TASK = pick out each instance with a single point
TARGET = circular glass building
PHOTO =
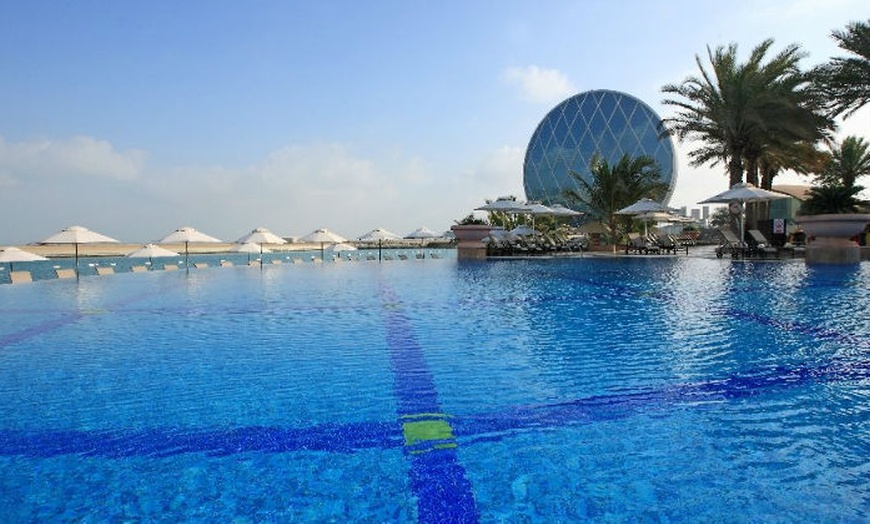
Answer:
(605, 122)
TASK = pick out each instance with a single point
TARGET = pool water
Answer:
(552, 390)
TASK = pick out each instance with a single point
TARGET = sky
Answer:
(136, 118)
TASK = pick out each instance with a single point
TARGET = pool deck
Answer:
(705, 251)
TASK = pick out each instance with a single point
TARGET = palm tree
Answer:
(801, 157)
(741, 113)
(846, 163)
(831, 199)
(612, 188)
(846, 81)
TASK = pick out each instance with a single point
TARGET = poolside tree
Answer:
(801, 157)
(745, 114)
(847, 161)
(831, 198)
(845, 81)
(611, 188)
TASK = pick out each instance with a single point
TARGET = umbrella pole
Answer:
(186, 257)
(379, 249)
(261, 256)
(321, 252)
(76, 244)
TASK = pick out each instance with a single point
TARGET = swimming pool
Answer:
(610, 390)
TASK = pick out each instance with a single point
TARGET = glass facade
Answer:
(605, 122)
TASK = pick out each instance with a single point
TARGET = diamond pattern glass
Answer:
(606, 122)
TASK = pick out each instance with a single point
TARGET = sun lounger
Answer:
(19, 277)
(638, 243)
(65, 273)
(760, 245)
(138, 269)
(731, 245)
(226, 263)
(105, 270)
(635, 244)
(668, 244)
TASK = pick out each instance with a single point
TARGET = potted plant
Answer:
(830, 218)
(470, 232)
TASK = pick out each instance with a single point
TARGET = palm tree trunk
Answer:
(752, 171)
(735, 169)
(767, 175)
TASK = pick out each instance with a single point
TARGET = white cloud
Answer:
(502, 169)
(71, 157)
(539, 85)
(301, 187)
(292, 191)
(498, 172)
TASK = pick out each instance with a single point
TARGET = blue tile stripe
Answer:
(165, 442)
(438, 480)
(39, 329)
(433, 460)
(72, 317)
(816, 332)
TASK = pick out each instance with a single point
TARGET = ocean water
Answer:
(552, 390)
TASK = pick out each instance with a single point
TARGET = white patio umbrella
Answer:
(537, 209)
(250, 248)
(558, 210)
(152, 251)
(341, 246)
(642, 207)
(77, 235)
(380, 235)
(261, 236)
(740, 194)
(187, 235)
(505, 204)
(422, 233)
(658, 216)
(324, 236)
(14, 254)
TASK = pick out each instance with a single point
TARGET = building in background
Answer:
(606, 122)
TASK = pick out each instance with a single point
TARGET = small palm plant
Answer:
(832, 199)
(613, 187)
